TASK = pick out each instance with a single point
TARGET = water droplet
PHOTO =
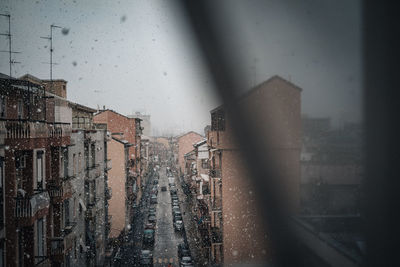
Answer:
(65, 31)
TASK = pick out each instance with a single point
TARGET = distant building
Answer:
(145, 123)
(125, 178)
(185, 144)
(197, 180)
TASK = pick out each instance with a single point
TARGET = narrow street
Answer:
(166, 240)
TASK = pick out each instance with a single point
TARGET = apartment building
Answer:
(236, 232)
(53, 177)
(35, 128)
(185, 144)
(125, 178)
(87, 162)
(198, 181)
(145, 122)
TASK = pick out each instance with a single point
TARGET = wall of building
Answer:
(185, 145)
(77, 203)
(117, 181)
(244, 237)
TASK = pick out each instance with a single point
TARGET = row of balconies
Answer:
(28, 129)
(58, 192)
(62, 243)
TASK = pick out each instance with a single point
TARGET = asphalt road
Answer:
(166, 240)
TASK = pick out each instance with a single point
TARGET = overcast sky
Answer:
(140, 55)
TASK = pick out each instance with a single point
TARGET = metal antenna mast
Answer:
(10, 52)
(52, 26)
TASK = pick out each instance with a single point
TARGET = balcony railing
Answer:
(28, 129)
(216, 203)
(55, 191)
(23, 207)
(26, 207)
(57, 247)
(215, 173)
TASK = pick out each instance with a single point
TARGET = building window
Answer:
(65, 162)
(218, 121)
(2, 107)
(20, 109)
(74, 207)
(79, 162)
(40, 239)
(20, 162)
(204, 163)
(40, 170)
(93, 154)
(66, 212)
(74, 163)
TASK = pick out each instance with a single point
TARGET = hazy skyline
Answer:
(140, 55)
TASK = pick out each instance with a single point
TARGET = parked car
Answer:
(178, 225)
(152, 213)
(150, 226)
(163, 188)
(151, 219)
(177, 217)
(175, 202)
(155, 182)
(175, 209)
(177, 212)
(146, 258)
(148, 236)
(153, 199)
(186, 261)
(183, 250)
(152, 208)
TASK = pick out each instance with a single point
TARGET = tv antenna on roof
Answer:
(52, 26)
(10, 51)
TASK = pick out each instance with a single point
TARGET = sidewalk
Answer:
(191, 233)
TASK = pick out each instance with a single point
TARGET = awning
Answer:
(205, 177)
(82, 204)
(40, 201)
